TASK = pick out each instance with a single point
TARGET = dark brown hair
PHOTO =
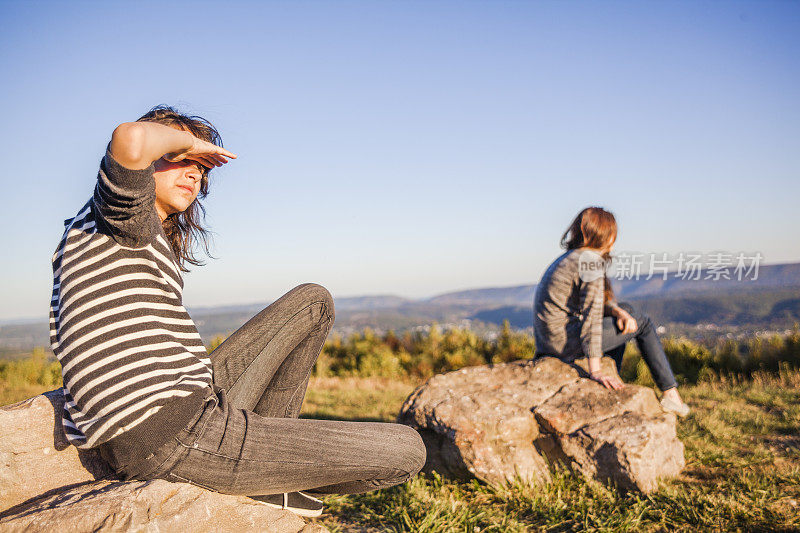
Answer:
(184, 229)
(594, 227)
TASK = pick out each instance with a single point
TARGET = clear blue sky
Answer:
(412, 147)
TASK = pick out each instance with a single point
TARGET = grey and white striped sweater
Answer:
(126, 344)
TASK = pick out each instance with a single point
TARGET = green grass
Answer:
(742, 449)
(363, 399)
(22, 378)
(743, 471)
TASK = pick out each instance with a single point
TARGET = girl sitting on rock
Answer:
(139, 384)
(576, 314)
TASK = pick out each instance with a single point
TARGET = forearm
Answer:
(136, 145)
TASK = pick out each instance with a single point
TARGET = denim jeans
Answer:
(646, 339)
(248, 438)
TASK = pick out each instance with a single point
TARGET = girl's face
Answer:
(177, 185)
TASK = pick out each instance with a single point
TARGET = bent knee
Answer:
(639, 316)
(313, 292)
(627, 307)
(411, 453)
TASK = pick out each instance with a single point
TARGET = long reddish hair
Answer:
(594, 227)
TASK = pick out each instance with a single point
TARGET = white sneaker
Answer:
(671, 406)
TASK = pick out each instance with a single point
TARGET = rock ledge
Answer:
(497, 421)
(47, 484)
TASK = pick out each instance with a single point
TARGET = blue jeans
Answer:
(646, 339)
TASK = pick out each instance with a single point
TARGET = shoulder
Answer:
(566, 262)
(581, 266)
(590, 265)
(559, 276)
(80, 234)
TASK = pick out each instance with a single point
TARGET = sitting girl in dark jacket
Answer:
(576, 314)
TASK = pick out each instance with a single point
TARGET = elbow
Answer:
(127, 144)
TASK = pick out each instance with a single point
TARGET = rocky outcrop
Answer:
(35, 456)
(46, 484)
(155, 505)
(498, 421)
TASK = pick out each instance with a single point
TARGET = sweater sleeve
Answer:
(608, 309)
(591, 311)
(124, 201)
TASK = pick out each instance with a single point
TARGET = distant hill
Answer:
(364, 303)
(772, 300)
(769, 277)
(756, 308)
(496, 296)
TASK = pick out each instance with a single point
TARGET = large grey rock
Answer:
(35, 456)
(46, 484)
(472, 421)
(155, 505)
(632, 450)
(495, 422)
(585, 402)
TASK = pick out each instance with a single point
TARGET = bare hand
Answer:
(207, 154)
(625, 322)
(608, 382)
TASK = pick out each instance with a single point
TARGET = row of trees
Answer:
(420, 355)
(423, 354)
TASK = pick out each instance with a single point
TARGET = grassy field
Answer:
(743, 471)
(742, 449)
(23, 377)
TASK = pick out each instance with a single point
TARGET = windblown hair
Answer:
(185, 229)
(594, 227)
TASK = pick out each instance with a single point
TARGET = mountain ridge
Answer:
(772, 299)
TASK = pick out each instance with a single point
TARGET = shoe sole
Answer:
(309, 513)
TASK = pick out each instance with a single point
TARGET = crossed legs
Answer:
(252, 442)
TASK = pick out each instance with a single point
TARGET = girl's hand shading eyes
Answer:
(165, 164)
(207, 154)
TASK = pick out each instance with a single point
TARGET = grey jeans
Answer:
(248, 438)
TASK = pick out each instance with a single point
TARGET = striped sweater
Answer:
(127, 347)
(568, 311)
